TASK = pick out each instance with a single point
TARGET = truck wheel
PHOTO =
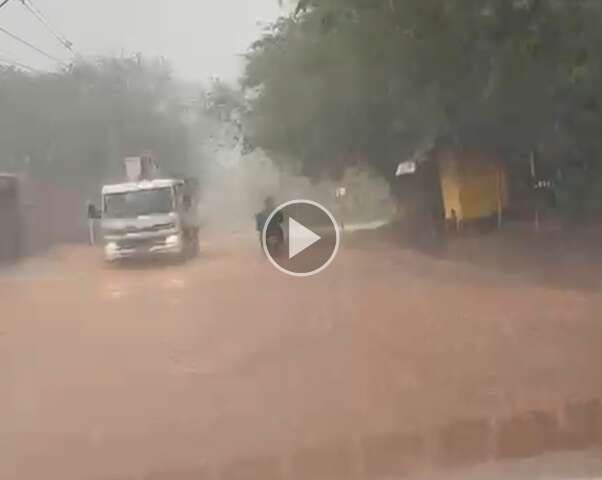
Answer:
(191, 246)
(195, 248)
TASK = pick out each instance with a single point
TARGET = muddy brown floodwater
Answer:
(109, 371)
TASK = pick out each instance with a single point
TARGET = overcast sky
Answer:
(201, 38)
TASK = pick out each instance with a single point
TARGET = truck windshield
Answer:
(135, 204)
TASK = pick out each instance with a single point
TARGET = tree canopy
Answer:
(376, 79)
(78, 124)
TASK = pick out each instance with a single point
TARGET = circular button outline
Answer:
(334, 253)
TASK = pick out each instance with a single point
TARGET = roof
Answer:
(142, 185)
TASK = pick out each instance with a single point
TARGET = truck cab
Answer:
(149, 218)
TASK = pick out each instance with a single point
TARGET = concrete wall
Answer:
(51, 214)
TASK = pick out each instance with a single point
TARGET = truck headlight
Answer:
(173, 241)
(111, 251)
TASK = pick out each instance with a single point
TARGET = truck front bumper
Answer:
(168, 246)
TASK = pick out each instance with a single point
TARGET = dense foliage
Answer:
(77, 125)
(376, 79)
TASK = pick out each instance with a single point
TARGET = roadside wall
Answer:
(51, 214)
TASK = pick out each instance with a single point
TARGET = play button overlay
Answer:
(311, 238)
(300, 238)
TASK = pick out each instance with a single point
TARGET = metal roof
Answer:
(138, 186)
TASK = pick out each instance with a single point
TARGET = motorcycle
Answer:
(274, 240)
(274, 235)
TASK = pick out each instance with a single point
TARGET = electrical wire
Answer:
(4, 3)
(33, 47)
(42, 18)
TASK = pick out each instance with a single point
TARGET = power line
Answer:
(4, 3)
(33, 47)
(42, 18)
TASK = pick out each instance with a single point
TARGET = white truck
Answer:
(156, 217)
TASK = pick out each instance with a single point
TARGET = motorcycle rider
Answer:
(274, 228)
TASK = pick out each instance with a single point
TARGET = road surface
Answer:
(115, 371)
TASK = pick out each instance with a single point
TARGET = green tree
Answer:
(381, 77)
(77, 125)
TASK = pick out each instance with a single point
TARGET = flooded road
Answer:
(123, 370)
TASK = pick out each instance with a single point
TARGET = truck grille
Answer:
(140, 243)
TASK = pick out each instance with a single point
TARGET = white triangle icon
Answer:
(299, 238)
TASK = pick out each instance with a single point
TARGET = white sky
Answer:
(201, 38)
